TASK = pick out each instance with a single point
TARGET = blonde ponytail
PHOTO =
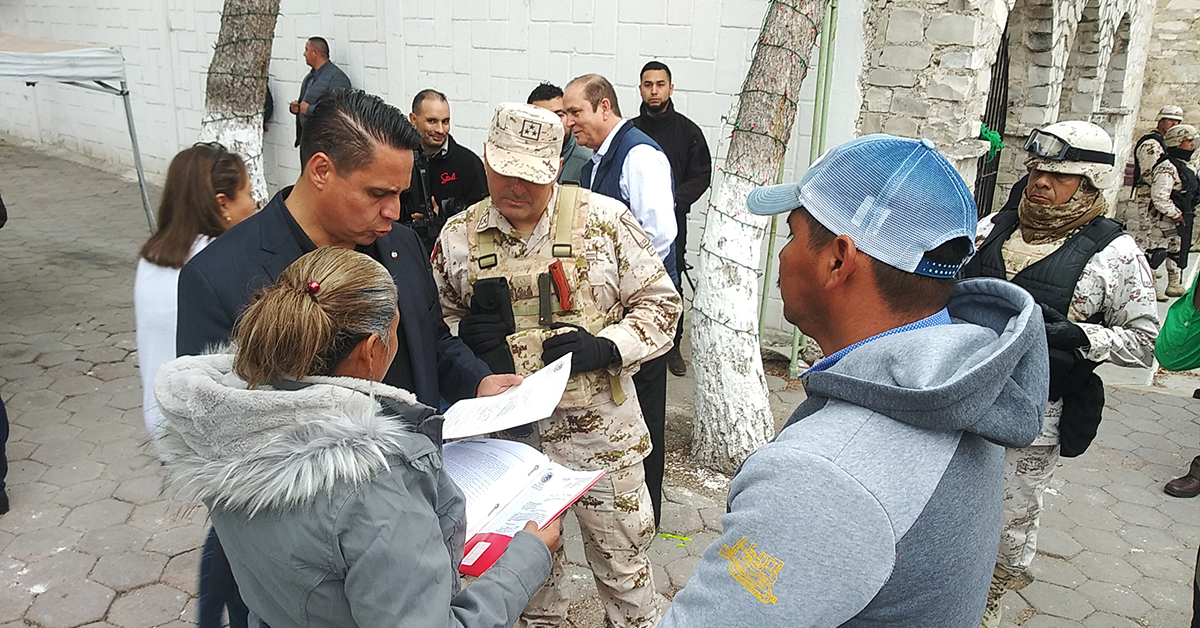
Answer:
(317, 311)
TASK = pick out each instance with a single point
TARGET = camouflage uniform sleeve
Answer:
(1160, 191)
(450, 271)
(1118, 283)
(1147, 155)
(984, 229)
(652, 306)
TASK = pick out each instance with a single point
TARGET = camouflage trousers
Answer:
(1027, 473)
(1160, 233)
(617, 521)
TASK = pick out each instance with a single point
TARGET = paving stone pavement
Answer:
(91, 542)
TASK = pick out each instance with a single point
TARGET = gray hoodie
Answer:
(879, 503)
(333, 511)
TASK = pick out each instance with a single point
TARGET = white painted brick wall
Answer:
(479, 53)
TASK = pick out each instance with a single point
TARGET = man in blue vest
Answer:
(629, 166)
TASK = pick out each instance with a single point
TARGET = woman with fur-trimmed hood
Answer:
(325, 486)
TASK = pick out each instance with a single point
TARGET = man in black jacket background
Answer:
(691, 165)
(453, 173)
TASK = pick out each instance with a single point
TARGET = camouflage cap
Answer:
(1171, 112)
(525, 142)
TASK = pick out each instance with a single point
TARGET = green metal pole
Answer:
(817, 142)
(831, 27)
(762, 305)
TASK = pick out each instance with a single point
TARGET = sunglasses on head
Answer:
(218, 150)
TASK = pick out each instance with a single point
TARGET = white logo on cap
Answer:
(531, 130)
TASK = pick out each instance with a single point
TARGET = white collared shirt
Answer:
(646, 180)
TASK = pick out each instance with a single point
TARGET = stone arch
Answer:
(1035, 48)
(1082, 81)
(1113, 96)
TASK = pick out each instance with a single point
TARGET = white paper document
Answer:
(533, 400)
(507, 484)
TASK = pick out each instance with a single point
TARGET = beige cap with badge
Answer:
(525, 142)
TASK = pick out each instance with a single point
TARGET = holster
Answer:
(1073, 380)
(1082, 410)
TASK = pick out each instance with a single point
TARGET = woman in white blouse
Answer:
(207, 191)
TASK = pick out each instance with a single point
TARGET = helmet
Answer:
(1179, 133)
(1072, 147)
(1171, 112)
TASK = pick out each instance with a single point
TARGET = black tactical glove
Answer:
(1062, 333)
(590, 353)
(482, 332)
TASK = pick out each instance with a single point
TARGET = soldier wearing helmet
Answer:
(1097, 298)
(1146, 152)
(1151, 146)
(1173, 189)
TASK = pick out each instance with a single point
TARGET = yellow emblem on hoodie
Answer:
(756, 571)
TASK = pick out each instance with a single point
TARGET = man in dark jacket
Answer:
(447, 171)
(324, 77)
(691, 166)
(346, 196)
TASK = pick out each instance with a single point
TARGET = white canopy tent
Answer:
(90, 67)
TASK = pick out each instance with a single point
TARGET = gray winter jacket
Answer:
(332, 511)
(879, 503)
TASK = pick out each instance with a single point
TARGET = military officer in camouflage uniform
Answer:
(1172, 199)
(1097, 297)
(613, 306)
(1148, 150)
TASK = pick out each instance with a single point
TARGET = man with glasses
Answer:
(1097, 297)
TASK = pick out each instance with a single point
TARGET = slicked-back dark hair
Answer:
(426, 94)
(320, 45)
(655, 65)
(597, 88)
(347, 124)
(545, 91)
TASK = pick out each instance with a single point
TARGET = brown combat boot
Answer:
(1174, 286)
(1001, 580)
(1188, 485)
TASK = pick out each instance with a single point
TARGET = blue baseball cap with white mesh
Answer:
(897, 198)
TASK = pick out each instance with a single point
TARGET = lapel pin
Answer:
(394, 256)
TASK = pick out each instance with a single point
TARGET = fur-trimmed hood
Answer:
(252, 449)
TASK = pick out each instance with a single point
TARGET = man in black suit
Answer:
(357, 153)
(358, 159)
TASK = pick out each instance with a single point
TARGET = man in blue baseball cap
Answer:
(878, 502)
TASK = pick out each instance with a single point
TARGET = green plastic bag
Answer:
(1178, 344)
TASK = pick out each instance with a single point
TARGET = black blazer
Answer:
(219, 282)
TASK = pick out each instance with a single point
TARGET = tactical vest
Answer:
(568, 226)
(1185, 197)
(1052, 279)
(1137, 167)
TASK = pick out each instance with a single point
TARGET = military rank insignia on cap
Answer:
(525, 142)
